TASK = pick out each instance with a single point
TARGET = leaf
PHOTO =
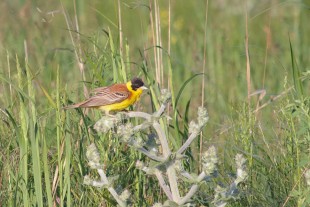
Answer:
(296, 74)
(177, 101)
(183, 87)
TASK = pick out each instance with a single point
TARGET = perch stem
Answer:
(163, 184)
(150, 155)
(170, 170)
(105, 180)
(190, 139)
(139, 114)
(193, 189)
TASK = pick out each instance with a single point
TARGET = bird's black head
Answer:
(136, 83)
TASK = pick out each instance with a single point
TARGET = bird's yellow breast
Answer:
(135, 96)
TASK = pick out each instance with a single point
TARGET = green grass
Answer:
(42, 147)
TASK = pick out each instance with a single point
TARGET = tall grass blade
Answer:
(113, 58)
(296, 74)
(154, 89)
(67, 163)
(67, 181)
(13, 187)
(59, 140)
(170, 80)
(16, 88)
(49, 98)
(46, 171)
(105, 17)
(34, 138)
(177, 127)
(23, 139)
(183, 87)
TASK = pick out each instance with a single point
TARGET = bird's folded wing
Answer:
(107, 95)
(101, 90)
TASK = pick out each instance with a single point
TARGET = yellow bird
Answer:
(116, 97)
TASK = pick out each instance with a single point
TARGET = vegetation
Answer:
(247, 62)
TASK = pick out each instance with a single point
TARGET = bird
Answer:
(116, 97)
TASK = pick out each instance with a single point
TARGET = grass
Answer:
(46, 62)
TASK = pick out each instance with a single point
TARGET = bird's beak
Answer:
(144, 88)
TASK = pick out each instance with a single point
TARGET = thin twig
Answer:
(193, 189)
(163, 184)
(248, 66)
(105, 181)
(154, 40)
(273, 99)
(203, 79)
(190, 139)
(120, 28)
(169, 31)
(150, 155)
(288, 197)
(170, 170)
(77, 49)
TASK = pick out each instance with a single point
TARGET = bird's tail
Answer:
(73, 106)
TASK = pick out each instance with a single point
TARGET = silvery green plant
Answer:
(168, 167)
(231, 192)
(93, 157)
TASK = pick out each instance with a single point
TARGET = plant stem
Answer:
(187, 143)
(139, 114)
(170, 170)
(150, 155)
(193, 189)
(105, 180)
(163, 184)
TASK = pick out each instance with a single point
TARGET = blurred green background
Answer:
(271, 23)
(275, 139)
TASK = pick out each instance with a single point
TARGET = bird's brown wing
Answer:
(105, 96)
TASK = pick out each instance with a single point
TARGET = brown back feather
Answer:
(104, 96)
